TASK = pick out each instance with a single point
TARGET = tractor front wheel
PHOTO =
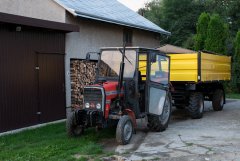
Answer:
(160, 123)
(73, 130)
(124, 130)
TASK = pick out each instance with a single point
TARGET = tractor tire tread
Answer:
(120, 130)
(216, 99)
(154, 124)
(193, 107)
(71, 125)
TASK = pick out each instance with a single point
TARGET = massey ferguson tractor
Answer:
(131, 83)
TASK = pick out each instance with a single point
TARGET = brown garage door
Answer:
(25, 91)
(51, 87)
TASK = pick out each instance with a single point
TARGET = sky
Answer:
(134, 4)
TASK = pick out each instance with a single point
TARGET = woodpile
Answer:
(82, 74)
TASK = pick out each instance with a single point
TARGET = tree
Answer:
(217, 6)
(217, 34)
(176, 16)
(234, 16)
(236, 62)
(202, 26)
(189, 43)
(179, 17)
(152, 11)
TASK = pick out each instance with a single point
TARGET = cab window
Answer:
(143, 65)
(159, 69)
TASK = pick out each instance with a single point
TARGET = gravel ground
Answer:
(215, 137)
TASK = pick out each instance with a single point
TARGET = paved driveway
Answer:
(214, 137)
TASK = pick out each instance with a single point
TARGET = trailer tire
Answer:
(159, 124)
(73, 130)
(218, 100)
(196, 105)
(124, 130)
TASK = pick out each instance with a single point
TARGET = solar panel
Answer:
(110, 11)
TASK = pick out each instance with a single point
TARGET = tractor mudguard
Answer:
(131, 114)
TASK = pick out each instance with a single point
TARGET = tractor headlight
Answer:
(87, 105)
(98, 106)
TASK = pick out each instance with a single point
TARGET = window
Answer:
(111, 60)
(143, 65)
(159, 69)
(127, 37)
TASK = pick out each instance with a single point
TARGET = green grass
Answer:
(233, 95)
(51, 143)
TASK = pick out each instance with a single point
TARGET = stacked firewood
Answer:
(82, 74)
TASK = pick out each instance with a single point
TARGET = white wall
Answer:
(41, 9)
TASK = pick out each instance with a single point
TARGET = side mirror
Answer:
(153, 57)
(88, 56)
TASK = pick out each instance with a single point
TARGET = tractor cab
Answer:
(131, 83)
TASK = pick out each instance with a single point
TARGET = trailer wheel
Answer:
(124, 130)
(159, 124)
(218, 100)
(196, 105)
(73, 130)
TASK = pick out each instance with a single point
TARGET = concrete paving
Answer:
(214, 137)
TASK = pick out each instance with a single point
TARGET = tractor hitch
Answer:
(89, 118)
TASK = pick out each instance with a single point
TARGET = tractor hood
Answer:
(110, 87)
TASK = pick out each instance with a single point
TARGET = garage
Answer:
(32, 75)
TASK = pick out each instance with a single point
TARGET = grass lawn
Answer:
(233, 95)
(52, 144)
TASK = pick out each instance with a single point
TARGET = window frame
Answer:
(128, 37)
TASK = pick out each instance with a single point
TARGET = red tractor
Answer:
(131, 83)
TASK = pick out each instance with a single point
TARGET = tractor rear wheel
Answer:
(218, 100)
(73, 130)
(196, 105)
(124, 130)
(160, 123)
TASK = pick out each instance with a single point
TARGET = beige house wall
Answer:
(145, 39)
(40, 9)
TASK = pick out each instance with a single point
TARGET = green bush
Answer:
(236, 63)
(202, 26)
(217, 34)
(189, 43)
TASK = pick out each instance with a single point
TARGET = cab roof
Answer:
(130, 48)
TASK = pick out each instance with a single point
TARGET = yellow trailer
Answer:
(196, 77)
(200, 67)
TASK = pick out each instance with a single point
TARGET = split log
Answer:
(82, 73)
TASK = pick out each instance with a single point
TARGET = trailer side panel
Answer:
(215, 67)
(184, 67)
